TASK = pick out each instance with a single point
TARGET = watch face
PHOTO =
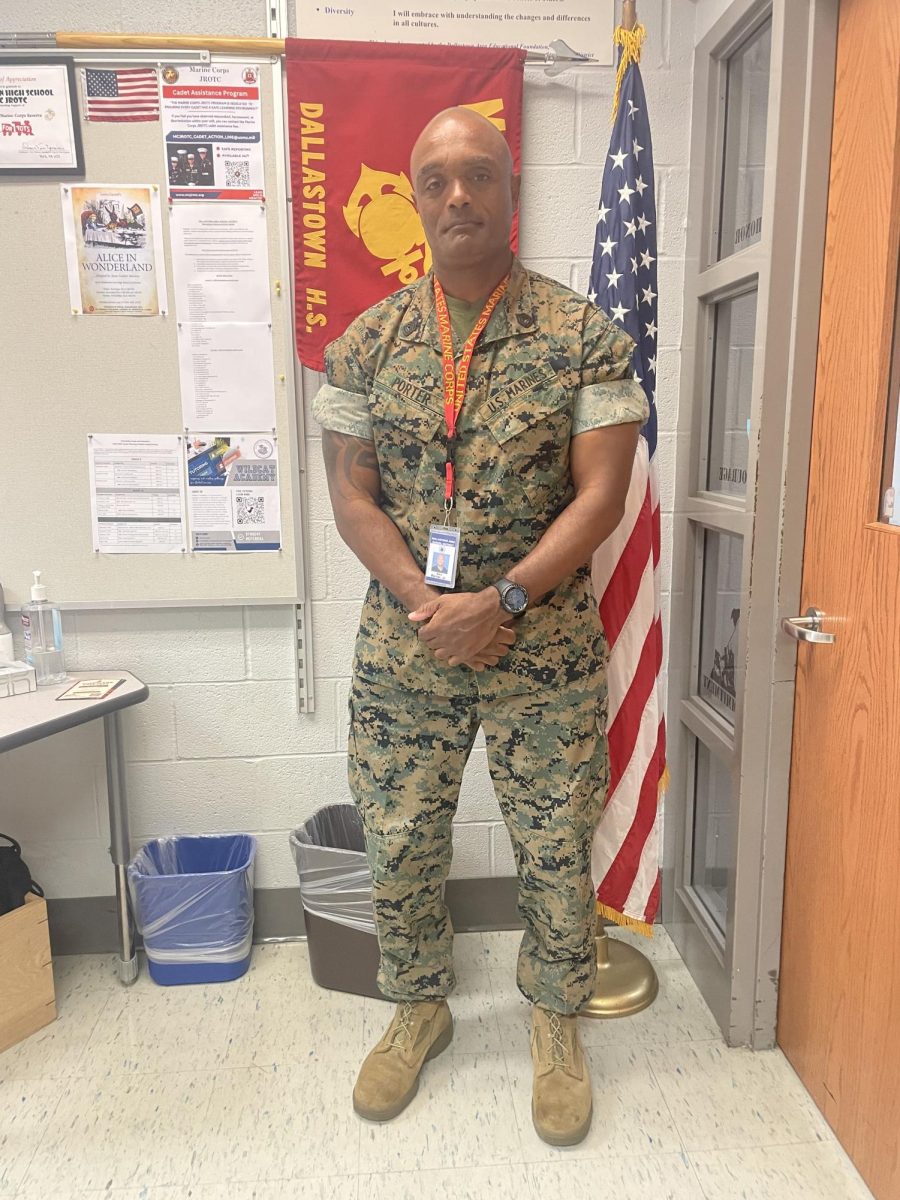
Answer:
(515, 599)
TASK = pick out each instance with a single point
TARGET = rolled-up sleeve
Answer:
(342, 411)
(609, 393)
(341, 403)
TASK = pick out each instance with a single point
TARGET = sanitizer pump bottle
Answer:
(42, 626)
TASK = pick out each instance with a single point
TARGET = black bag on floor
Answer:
(15, 878)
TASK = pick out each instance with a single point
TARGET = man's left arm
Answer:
(601, 464)
(610, 409)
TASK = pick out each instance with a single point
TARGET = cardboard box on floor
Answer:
(27, 995)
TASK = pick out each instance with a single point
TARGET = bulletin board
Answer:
(63, 377)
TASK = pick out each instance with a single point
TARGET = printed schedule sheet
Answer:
(137, 493)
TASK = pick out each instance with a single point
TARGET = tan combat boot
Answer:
(389, 1078)
(561, 1104)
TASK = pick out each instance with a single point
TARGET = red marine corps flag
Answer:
(356, 108)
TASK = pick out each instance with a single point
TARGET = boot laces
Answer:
(403, 1032)
(559, 1047)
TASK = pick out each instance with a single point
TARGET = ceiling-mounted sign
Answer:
(585, 25)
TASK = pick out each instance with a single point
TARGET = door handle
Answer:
(807, 628)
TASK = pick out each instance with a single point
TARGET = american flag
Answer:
(626, 567)
(128, 95)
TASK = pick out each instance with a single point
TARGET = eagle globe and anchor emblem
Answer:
(382, 214)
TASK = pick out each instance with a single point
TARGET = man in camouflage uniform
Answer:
(543, 451)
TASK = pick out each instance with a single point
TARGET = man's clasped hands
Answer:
(465, 627)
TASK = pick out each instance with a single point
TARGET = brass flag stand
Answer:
(626, 981)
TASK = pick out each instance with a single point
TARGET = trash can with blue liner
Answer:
(193, 904)
(336, 893)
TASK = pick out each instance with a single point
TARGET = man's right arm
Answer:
(354, 483)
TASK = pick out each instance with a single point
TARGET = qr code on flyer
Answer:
(251, 510)
(237, 173)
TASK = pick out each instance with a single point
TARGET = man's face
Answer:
(465, 193)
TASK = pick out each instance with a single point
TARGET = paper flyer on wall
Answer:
(37, 123)
(233, 492)
(137, 493)
(220, 263)
(227, 376)
(212, 129)
(114, 249)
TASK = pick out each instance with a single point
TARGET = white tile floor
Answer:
(242, 1091)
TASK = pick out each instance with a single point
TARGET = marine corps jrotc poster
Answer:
(357, 235)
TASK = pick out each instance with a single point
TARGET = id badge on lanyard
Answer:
(444, 538)
(443, 556)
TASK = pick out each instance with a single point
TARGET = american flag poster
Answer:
(626, 567)
(127, 95)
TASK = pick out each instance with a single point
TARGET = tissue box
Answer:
(16, 679)
(27, 995)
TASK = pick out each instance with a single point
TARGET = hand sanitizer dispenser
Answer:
(42, 626)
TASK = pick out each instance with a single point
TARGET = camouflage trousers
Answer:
(548, 761)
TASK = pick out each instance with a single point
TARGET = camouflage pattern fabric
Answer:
(548, 761)
(548, 366)
(547, 361)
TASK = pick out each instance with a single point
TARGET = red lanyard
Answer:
(455, 379)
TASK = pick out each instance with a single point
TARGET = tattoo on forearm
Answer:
(346, 457)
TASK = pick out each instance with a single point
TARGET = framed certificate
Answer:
(40, 134)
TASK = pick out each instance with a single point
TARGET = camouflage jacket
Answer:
(548, 366)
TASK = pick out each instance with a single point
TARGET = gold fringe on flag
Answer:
(664, 781)
(630, 40)
(642, 927)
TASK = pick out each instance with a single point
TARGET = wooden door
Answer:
(839, 1003)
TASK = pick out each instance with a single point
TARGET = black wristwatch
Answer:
(513, 597)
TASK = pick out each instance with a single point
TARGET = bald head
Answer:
(454, 122)
(465, 190)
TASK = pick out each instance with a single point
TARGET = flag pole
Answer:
(626, 981)
(155, 41)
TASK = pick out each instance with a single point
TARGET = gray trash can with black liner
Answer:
(336, 893)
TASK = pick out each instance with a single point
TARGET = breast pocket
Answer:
(534, 432)
(403, 430)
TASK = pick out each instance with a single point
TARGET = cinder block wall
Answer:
(219, 746)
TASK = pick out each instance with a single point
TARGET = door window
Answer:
(743, 165)
(763, 80)
(720, 614)
(712, 858)
(723, 468)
